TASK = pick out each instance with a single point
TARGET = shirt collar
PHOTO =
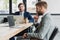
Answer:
(45, 13)
(22, 12)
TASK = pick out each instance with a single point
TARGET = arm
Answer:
(44, 28)
(16, 13)
(36, 35)
(30, 18)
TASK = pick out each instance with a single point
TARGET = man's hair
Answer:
(20, 4)
(42, 3)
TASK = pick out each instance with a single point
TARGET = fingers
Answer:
(25, 35)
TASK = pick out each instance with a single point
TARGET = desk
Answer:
(7, 32)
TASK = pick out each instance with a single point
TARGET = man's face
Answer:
(40, 10)
(21, 8)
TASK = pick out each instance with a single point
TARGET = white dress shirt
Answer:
(22, 14)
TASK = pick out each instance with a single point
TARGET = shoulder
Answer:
(27, 12)
(16, 13)
(48, 15)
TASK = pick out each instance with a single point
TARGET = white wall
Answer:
(53, 6)
(56, 20)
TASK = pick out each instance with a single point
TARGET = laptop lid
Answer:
(11, 20)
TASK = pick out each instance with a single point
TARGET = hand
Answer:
(36, 18)
(25, 35)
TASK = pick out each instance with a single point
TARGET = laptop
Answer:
(15, 20)
(10, 20)
(18, 19)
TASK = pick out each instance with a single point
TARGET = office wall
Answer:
(56, 20)
(53, 6)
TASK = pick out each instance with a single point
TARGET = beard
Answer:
(40, 13)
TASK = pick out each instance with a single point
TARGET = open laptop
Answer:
(15, 20)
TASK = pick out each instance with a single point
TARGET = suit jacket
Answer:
(43, 28)
(26, 15)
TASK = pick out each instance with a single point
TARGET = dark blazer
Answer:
(26, 15)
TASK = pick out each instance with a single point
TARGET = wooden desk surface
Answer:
(7, 32)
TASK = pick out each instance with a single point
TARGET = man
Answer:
(45, 24)
(23, 13)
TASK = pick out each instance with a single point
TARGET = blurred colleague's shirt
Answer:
(22, 14)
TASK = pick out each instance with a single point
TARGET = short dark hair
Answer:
(42, 3)
(20, 4)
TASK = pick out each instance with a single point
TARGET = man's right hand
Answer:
(25, 35)
(36, 18)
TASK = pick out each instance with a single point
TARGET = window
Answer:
(4, 6)
(31, 6)
(15, 5)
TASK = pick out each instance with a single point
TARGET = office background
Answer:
(8, 7)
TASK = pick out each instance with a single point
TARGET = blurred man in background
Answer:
(24, 13)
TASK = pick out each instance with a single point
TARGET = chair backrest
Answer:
(50, 31)
(53, 33)
(5, 20)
